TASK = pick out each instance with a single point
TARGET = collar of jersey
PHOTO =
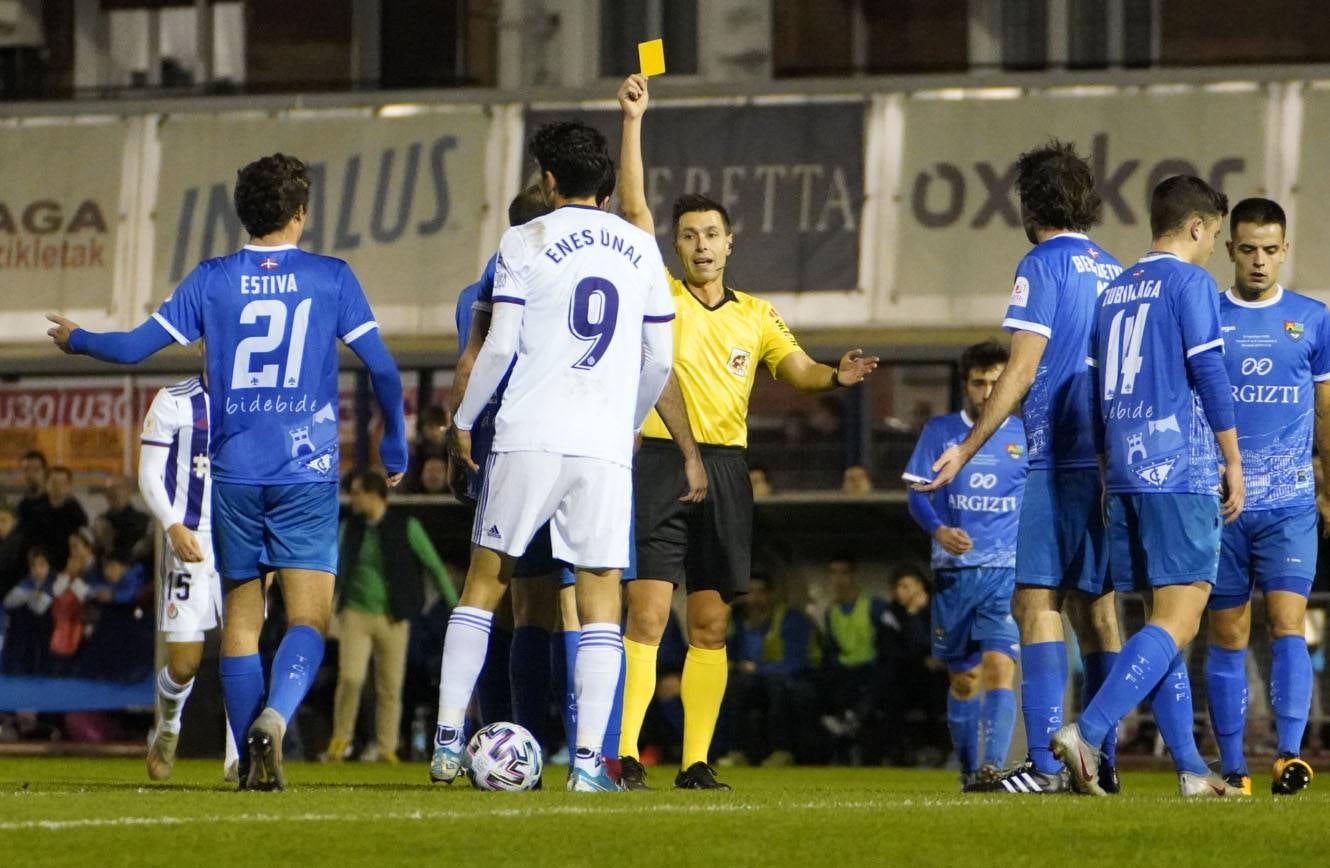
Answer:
(260, 249)
(969, 423)
(727, 297)
(576, 205)
(1269, 302)
(1155, 255)
(1068, 234)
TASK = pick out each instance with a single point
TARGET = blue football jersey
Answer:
(1159, 313)
(1276, 351)
(984, 499)
(1056, 286)
(271, 317)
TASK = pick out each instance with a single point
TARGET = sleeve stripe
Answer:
(508, 299)
(170, 329)
(146, 442)
(359, 331)
(1020, 325)
(1321, 378)
(481, 306)
(662, 318)
(910, 477)
(1210, 345)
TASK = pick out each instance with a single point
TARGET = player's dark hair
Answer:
(1056, 188)
(692, 203)
(576, 155)
(269, 192)
(60, 468)
(1258, 211)
(35, 455)
(527, 206)
(1178, 199)
(981, 357)
(372, 482)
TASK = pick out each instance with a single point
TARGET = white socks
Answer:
(464, 649)
(171, 700)
(596, 675)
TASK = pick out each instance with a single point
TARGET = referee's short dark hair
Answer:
(981, 357)
(693, 203)
(372, 482)
(1259, 212)
(1178, 199)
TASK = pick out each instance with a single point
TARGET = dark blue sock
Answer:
(570, 640)
(1290, 691)
(293, 669)
(1097, 666)
(529, 678)
(997, 719)
(614, 728)
(1176, 716)
(963, 721)
(1142, 664)
(1226, 688)
(1043, 680)
(494, 694)
(242, 693)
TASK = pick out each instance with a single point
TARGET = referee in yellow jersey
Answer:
(721, 336)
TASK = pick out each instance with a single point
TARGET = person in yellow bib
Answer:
(721, 337)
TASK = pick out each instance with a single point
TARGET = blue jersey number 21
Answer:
(592, 317)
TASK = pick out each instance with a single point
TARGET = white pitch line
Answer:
(416, 816)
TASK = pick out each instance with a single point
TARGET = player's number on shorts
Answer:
(1124, 352)
(267, 376)
(592, 317)
(177, 586)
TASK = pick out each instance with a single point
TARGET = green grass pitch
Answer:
(96, 812)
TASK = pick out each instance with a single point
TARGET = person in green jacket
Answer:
(379, 590)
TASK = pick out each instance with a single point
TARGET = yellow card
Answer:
(651, 56)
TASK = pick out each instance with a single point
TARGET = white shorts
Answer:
(587, 501)
(190, 601)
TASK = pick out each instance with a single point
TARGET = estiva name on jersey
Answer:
(268, 284)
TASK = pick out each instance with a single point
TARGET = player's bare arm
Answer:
(1234, 491)
(633, 99)
(1322, 436)
(674, 413)
(1027, 349)
(813, 378)
(475, 339)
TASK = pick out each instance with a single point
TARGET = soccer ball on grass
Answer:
(504, 757)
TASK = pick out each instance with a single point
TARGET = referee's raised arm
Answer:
(633, 100)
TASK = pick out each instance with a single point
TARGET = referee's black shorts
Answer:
(708, 543)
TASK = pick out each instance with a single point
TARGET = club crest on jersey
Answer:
(323, 463)
(200, 466)
(300, 441)
(269, 263)
(1020, 293)
(172, 611)
(1155, 472)
(738, 363)
(1015, 451)
(1293, 329)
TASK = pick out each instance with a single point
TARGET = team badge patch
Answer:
(1020, 293)
(1155, 472)
(1293, 329)
(269, 263)
(738, 363)
(1015, 451)
(171, 611)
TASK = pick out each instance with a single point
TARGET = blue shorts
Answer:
(971, 611)
(1060, 540)
(1156, 540)
(1273, 549)
(256, 528)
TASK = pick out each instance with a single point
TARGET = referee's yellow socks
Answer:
(639, 686)
(705, 673)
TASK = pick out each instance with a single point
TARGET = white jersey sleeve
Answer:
(160, 429)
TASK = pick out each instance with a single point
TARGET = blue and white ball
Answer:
(504, 757)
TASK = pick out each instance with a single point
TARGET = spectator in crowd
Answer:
(856, 482)
(771, 700)
(28, 611)
(915, 681)
(50, 520)
(379, 591)
(757, 476)
(434, 475)
(68, 616)
(129, 526)
(33, 468)
(12, 564)
(852, 659)
(430, 433)
(120, 644)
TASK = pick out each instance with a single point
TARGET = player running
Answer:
(973, 525)
(272, 315)
(1278, 360)
(721, 337)
(177, 488)
(1165, 401)
(1060, 553)
(581, 301)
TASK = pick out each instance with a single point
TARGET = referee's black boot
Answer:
(632, 774)
(698, 776)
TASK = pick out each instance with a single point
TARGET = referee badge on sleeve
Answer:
(738, 363)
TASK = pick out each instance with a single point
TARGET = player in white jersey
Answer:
(580, 299)
(176, 485)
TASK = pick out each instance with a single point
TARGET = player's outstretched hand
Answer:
(633, 96)
(395, 478)
(948, 464)
(184, 543)
(1234, 490)
(459, 444)
(61, 331)
(696, 475)
(854, 367)
(955, 540)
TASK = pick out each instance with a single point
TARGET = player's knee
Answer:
(1285, 624)
(646, 623)
(964, 685)
(707, 629)
(997, 671)
(1227, 629)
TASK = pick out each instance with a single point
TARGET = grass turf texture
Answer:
(105, 812)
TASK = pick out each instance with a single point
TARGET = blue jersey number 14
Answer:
(268, 376)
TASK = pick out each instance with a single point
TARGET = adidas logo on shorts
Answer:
(493, 532)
